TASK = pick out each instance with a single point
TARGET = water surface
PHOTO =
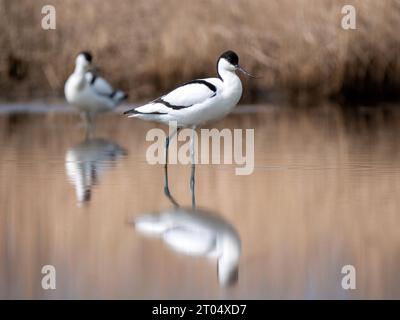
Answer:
(324, 194)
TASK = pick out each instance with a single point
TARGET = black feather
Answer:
(134, 111)
(231, 57)
(87, 55)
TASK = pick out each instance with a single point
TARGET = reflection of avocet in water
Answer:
(86, 161)
(196, 232)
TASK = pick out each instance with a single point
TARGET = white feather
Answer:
(100, 85)
(153, 107)
(194, 103)
(188, 95)
(91, 96)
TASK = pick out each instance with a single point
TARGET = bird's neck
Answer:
(79, 70)
(232, 84)
(79, 75)
(229, 78)
(227, 75)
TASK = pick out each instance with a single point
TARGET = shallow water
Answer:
(324, 194)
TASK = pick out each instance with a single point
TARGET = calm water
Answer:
(325, 193)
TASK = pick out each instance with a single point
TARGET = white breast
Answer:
(79, 93)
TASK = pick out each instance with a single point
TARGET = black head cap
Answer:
(87, 55)
(231, 57)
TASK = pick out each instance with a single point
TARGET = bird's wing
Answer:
(99, 85)
(191, 93)
(185, 96)
(150, 108)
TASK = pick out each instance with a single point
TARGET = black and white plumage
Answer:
(88, 92)
(198, 101)
(195, 103)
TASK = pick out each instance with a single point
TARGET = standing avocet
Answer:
(90, 93)
(198, 101)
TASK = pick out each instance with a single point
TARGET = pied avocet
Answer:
(90, 93)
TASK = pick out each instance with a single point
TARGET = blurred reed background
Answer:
(147, 47)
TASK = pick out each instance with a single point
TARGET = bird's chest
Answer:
(217, 107)
(231, 92)
(228, 99)
(74, 87)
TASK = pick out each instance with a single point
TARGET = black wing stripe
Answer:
(92, 82)
(134, 111)
(204, 82)
(176, 107)
(171, 106)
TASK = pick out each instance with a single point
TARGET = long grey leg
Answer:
(92, 124)
(166, 187)
(89, 121)
(85, 120)
(193, 169)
